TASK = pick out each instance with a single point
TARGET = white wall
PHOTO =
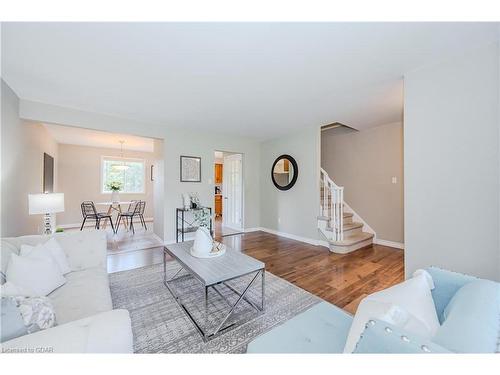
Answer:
(23, 145)
(177, 142)
(158, 189)
(364, 162)
(204, 145)
(80, 180)
(451, 148)
(294, 211)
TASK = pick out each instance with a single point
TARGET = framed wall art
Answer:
(190, 169)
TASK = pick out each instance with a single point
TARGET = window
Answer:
(131, 179)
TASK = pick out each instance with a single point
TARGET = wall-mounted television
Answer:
(48, 173)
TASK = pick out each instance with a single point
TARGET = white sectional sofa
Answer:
(86, 321)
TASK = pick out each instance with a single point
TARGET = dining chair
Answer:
(130, 209)
(142, 207)
(129, 215)
(89, 212)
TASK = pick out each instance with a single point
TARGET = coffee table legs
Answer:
(241, 296)
(263, 289)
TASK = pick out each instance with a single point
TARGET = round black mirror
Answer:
(284, 172)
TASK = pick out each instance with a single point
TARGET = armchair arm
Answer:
(381, 337)
(446, 285)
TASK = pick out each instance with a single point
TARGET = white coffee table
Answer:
(212, 272)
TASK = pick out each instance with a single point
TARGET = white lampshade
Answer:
(45, 203)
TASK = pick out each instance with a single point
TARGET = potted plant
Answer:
(202, 217)
(115, 187)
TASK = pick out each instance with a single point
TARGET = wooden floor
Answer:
(220, 230)
(340, 279)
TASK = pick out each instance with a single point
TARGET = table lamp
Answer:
(46, 204)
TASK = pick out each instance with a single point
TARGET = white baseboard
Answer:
(288, 235)
(92, 223)
(233, 228)
(248, 230)
(397, 245)
(277, 233)
(324, 244)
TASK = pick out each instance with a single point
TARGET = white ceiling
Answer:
(253, 79)
(93, 138)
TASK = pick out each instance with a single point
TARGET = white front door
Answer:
(232, 191)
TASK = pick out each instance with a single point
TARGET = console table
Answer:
(186, 226)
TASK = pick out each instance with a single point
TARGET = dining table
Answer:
(114, 206)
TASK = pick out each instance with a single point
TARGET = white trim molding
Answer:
(248, 230)
(397, 245)
(286, 235)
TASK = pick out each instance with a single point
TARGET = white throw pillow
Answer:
(408, 305)
(38, 274)
(10, 290)
(52, 248)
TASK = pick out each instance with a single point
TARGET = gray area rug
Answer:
(161, 326)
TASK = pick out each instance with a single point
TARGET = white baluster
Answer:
(341, 214)
(333, 205)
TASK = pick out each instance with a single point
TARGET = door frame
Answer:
(242, 197)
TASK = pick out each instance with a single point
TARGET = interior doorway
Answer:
(114, 174)
(228, 193)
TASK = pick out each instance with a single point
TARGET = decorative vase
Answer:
(203, 245)
(186, 201)
(114, 196)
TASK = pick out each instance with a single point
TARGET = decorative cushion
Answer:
(37, 312)
(11, 321)
(408, 305)
(40, 275)
(472, 319)
(10, 290)
(7, 249)
(447, 284)
(91, 286)
(49, 248)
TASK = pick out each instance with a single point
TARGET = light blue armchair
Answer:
(468, 310)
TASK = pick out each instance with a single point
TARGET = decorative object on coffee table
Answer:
(204, 245)
(202, 216)
(190, 169)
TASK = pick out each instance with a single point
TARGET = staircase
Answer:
(335, 223)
